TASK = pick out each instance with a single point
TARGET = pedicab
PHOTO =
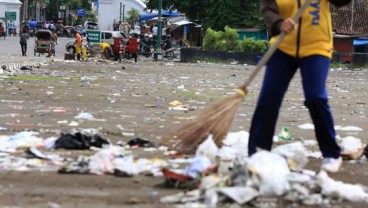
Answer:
(125, 48)
(43, 42)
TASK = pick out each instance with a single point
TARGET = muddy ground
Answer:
(131, 100)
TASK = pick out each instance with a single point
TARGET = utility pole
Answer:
(120, 12)
(158, 55)
(124, 13)
(25, 9)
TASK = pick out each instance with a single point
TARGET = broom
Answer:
(216, 120)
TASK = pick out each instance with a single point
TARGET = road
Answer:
(11, 46)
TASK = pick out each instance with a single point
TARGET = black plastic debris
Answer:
(26, 68)
(79, 141)
(138, 142)
(366, 151)
(120, 173)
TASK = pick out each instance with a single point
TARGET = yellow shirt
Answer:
(103, 46)
(314, 35)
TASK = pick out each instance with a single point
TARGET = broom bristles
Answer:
(215, 120)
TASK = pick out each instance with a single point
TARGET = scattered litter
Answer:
(269, 172)
(332, 188)
(138, 142)
(34, 151)
(208, 149)
(348, 128)
(85, 116)
(295, 153)
(352, 148)
(73, 123)
(102, 161)
(308, 126)
(26, 68)
(285, 134)
(79, 141)
(150, 106)
(310, 142)
(179, 108)
(177, 105)
(234, 145)
(62, 122)
(191, 196)
(240, 195)
(351, 144)
(198, 166)
(127, 166)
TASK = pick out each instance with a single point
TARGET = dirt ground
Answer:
(131, 100)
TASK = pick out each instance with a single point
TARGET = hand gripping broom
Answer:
(216, 120)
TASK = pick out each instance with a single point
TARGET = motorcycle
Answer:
(146, 51)
(168, 53)
(31, 32)
(125, 48)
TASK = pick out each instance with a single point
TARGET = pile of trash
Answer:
(214, 175)
(228, 175)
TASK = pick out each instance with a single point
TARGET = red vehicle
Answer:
(126, 48)
(2, 27)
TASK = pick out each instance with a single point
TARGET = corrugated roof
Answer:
(351, 19)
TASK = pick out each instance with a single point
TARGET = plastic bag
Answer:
(269, 172)
(345, 191)
(102, 161)
(208, 148)
(295, 153)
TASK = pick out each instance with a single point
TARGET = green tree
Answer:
(194, 10)
(133, 16)
(234, 13)
(216, 14)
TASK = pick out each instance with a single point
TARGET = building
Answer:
(116, 10)
(10, 9)
(349, 25)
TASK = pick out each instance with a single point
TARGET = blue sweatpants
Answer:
(280, 70)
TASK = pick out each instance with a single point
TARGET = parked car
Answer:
(106, 36)
(88, 25)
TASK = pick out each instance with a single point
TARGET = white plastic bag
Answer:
(351, 144)
(199, 164)
(208, 148)
(269, 172)
(102, 161)
(234, 145)
(345, 191)
(295, 153)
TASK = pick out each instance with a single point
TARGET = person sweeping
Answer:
(307, 46)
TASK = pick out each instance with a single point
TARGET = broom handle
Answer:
(272, 50)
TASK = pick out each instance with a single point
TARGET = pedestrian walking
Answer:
(23, 41)
(10, 27)
(309, 47)
(54, 42)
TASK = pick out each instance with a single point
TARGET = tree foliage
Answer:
(133, 15)
(216, 14)
(228, 40)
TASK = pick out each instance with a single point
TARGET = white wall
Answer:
(110, 10)
(10, 6)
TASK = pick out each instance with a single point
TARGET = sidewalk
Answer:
(12, 62)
